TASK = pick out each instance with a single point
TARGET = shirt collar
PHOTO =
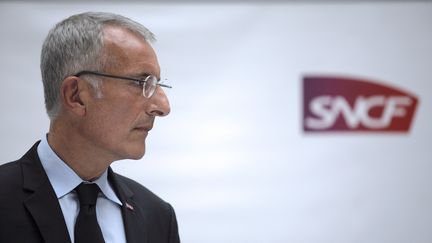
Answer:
(63, 179)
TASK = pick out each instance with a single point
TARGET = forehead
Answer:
(128, 53)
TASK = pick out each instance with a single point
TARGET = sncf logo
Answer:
(346, 104)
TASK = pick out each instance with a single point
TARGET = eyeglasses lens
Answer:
(149, 86)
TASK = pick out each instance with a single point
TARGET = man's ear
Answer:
(74, 94)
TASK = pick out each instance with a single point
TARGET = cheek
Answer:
(115, 113)
(109, 121)
(113, 120)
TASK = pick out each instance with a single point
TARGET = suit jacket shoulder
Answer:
(29, 208)
(10, 174)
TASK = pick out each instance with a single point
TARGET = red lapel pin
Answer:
(129, 206)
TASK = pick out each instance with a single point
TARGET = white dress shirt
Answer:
(64, 180)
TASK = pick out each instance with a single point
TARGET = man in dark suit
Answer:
(102, 94)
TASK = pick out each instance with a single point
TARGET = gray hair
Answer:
(76, 44)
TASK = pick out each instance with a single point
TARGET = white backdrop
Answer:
(232, 157)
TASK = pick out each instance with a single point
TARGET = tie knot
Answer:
(87, 193)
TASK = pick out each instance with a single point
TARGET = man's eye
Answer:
(138, 83)
(134, 84)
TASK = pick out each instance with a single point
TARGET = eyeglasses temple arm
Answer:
(165, 86)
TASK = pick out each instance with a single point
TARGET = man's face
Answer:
(118, 123)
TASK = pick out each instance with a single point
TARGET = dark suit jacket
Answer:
(30, 212)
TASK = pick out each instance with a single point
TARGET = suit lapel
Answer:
(42, 203)
(133, 215)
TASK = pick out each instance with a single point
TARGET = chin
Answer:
(137, 153)
(130, 150)
(137, 157)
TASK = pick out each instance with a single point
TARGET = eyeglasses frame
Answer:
(139, 81)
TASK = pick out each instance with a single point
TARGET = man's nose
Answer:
(159, 103)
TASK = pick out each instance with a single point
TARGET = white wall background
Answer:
(231, 157)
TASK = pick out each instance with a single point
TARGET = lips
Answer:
(143, 128)
(143, 125)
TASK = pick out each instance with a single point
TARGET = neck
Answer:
(77, 152)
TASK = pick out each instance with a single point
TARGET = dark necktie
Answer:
(87, 229)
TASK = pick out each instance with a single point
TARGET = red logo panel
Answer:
(347, 104)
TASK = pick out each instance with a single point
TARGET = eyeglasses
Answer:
(149, 83)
